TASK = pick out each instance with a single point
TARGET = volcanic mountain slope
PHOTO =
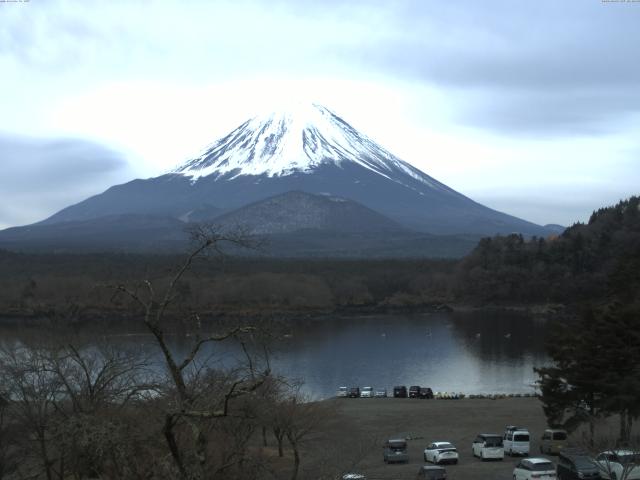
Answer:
(293, 224)
(309, 149)
(293, 211)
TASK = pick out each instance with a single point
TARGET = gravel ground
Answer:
(425, 421)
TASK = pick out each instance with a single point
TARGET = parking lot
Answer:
(425, 421)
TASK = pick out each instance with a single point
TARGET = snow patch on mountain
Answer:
(297, 140)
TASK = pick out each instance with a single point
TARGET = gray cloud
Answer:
(531, 67)
(41, 176)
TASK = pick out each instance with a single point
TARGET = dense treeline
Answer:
(588, 261)
(41, 283)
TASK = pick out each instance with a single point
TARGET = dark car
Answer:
(395, 451)
(414, 391)
(425, 392)
(400, 392)
(576, 464)
(354, 392)
(431, 472)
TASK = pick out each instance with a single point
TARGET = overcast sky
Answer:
(530, 107)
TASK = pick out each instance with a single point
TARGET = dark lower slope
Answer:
(437, 210)
(131, 233)
(148, 234)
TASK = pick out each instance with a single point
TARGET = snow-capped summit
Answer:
(297, 139)
(308, 149)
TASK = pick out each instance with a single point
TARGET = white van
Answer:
(516, 441)
(488, 445)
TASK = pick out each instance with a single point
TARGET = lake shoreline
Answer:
(117, 317)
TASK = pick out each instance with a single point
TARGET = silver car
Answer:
(380, 393)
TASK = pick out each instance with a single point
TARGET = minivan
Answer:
(516, 441)
(553, 441)
(395, 451)
(488, 445)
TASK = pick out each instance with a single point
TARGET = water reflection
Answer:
(470, 352)
(473, 352)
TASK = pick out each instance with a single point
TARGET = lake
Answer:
(469, 352)
(475, 352)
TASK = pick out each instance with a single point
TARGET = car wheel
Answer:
(425, 458)
(482, 456)
(613, 476)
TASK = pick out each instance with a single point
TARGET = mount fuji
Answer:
(307, 149)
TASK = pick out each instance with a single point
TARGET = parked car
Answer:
(366, 392)
(342, 392)
(414, 391)
(353, 476)
(395, 451)
(425, 392)
(381, 393)
(613, 464)
(441, 452)
(400, 392)
(354, 392)
(432, 473)
(553, 441)
(488, 445)
(576, 464)
(516, 441)
(534, 469)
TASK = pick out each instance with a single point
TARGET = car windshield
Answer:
(628, 458)
(584, 462)
(366, 389)
(445, 446)
(397, 444)
(559, 436)
(542, 466)
(493, 441)
(521, 437)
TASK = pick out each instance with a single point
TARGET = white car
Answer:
(615, 464)
(488, 446)
(342, 392)
(534, 468)
(381, 393)
(441, 452)
(366, 392)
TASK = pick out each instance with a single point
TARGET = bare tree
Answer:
(192, 406)
(33, 392)
(66, 405)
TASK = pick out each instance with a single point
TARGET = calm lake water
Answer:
(470, 352)
(475, 352)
